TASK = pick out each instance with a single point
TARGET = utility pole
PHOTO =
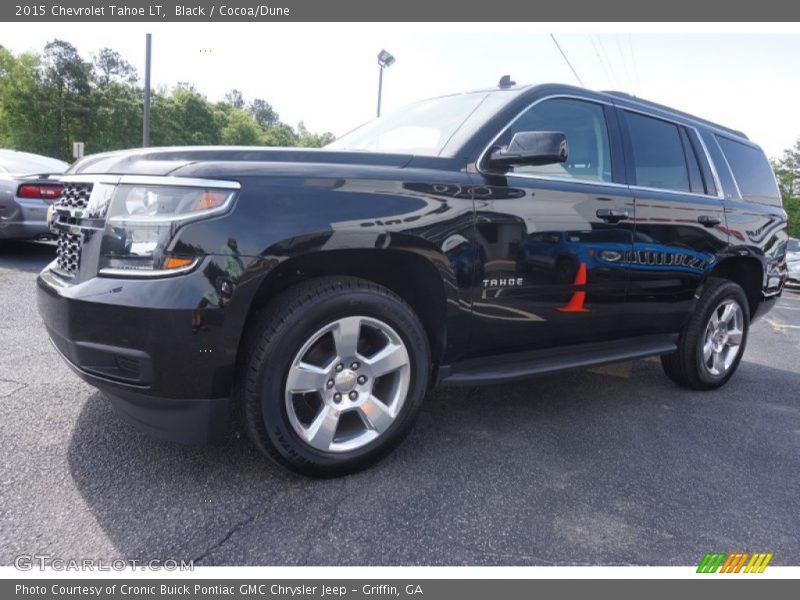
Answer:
(146, 118)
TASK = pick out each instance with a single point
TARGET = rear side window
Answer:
(752, 172)
(658, 154)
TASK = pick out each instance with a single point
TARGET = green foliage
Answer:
(787, 170)
(263, 113)
(792, 206)
(49, 100)
(312, 140)
(241, 130)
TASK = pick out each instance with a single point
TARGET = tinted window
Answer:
(584, 124)
(695, 176)
(658, 153)
(752, 172)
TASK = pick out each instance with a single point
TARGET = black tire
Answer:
(685, 367)
(276, 336)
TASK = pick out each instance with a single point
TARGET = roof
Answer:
(649, 104)
(629, 100)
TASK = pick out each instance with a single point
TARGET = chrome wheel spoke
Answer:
(708, 349)
(714, 321)
(321, 432)
(376, 414)
(728, 313)
(716, 363)
(734, 337)
(345, 336)
(391, 358)
(304, 377)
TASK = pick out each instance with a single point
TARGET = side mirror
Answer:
(530, 148)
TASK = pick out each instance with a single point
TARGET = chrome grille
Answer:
(68, 254)
(74, 195)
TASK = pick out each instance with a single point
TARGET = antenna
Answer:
(506, 82)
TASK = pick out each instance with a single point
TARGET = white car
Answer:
(793, 262)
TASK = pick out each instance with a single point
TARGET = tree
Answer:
(279, 134)
(235, 99)
(787, 171)
(49, 100)
(263, 113)
(23, 119)
(110, 66)
(66, 78)
(241, 130)
(183, 116)
(307, 139)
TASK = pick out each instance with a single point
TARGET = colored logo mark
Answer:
(735, 562)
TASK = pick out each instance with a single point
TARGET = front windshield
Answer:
(420, 128)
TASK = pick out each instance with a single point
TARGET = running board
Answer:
(514, 367)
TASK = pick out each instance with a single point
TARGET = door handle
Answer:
(612, 215)
(708, 221)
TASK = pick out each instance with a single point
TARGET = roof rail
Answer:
(634, 99)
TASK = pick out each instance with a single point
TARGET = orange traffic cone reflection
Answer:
(578, 298)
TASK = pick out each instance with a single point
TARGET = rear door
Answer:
(680, 227)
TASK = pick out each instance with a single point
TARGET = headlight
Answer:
(142, 219)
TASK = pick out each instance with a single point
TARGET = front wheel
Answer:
(713, 342)
(335, 375)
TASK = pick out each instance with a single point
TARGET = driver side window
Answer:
(584, 124)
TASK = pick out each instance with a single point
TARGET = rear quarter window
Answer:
(751, 170)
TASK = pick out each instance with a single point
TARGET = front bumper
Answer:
(157, 349)
(183, 420)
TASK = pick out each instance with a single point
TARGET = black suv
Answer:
(313, 297)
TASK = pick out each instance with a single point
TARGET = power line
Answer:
(600, 58)
(609, 61)
(635, 65)
(624, 62)
(574, 72)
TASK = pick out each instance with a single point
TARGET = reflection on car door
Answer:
(680, 220)
(552, 238)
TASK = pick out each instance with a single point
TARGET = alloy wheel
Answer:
(723, 337)
(347, 384)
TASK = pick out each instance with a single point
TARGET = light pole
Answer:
(384, 60)
(146, 115)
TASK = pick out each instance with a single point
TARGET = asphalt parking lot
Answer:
(609, 466)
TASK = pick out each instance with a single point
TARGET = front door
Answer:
(552, 239)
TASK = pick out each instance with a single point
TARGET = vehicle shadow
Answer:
(26, 256)
(609, 466)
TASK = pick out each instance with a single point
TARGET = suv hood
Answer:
(163, 161)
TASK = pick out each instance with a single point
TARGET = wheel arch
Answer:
(410, 274)
(747, 272)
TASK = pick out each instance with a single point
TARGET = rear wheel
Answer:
(335, 375)
(713, 342)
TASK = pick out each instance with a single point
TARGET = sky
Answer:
(326, 74)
